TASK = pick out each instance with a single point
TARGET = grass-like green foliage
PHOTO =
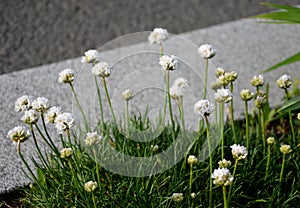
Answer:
(286, 15)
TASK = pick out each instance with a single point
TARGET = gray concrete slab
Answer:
(40, 32)
(244, 46)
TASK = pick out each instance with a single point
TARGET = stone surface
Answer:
(244, 46)
(40, 32)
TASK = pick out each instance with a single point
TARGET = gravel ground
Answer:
(43, 31)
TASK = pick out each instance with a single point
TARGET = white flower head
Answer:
(270, 140)
(220, 72)
(216, 85)
(90, 186)
(257, 81)
(193, 195)
(52, 113)
(285, 149)
(92, 138)
(101, 69)
(223, 95)
(222, 177)
(260, 100)
(91, 56)
(30, 117)
(168, 62)
(231, 76)
(284, 82)
(178, 88)
(223, 80)
(66, 76)
(18, 134)
(203, 108)
(192, 159)
(40, 104)
(180, 82)
(127, 94)
(64, 121)
(66, 153)
(224, 163)
(177, 197)
(158, 35)
(238, 151)
(206, 51)
(154, 148)
(23, 103)
(298, 116)
(246, 94)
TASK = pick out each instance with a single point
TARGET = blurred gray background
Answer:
(36, 32)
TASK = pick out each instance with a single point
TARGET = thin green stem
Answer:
(169, 102)
(80, 108)
(268, 162)
(52, 146)
(222, 127)
(282, 168)
(94, 200)
(224, 197)
(26, 164)
(37, 147)
(161, 50)
(127, 118)
(97, 165)
(259, 124)
(247, 124)
(108, 99)
(290, 117)
(191, 179)
(210, 160)
(232, 115)
(230, 188)
(205, 78)
(100, 100)
(180, 108)
(263, 129)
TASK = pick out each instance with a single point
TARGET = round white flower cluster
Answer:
(92, 138)
(284, 81)
(192, 159)
(246, 94)
(178, 88)
(238, 151)
(261, 100)
(206, 51)
(127, 94)
(30, 117)
(223, 95)
(40, 104)
(222, 177)
(66, 76)
(224, 163)
(23, 103)
(90, 186)
(168, 62)
(91, 56)
(18, 134)
(52, 113)
(158, 35)
(177, 197)
(257, 81)
(66, 153)
(64, 121)
(203, 108)
(285, 149)
(270, 140)
(101, 69)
